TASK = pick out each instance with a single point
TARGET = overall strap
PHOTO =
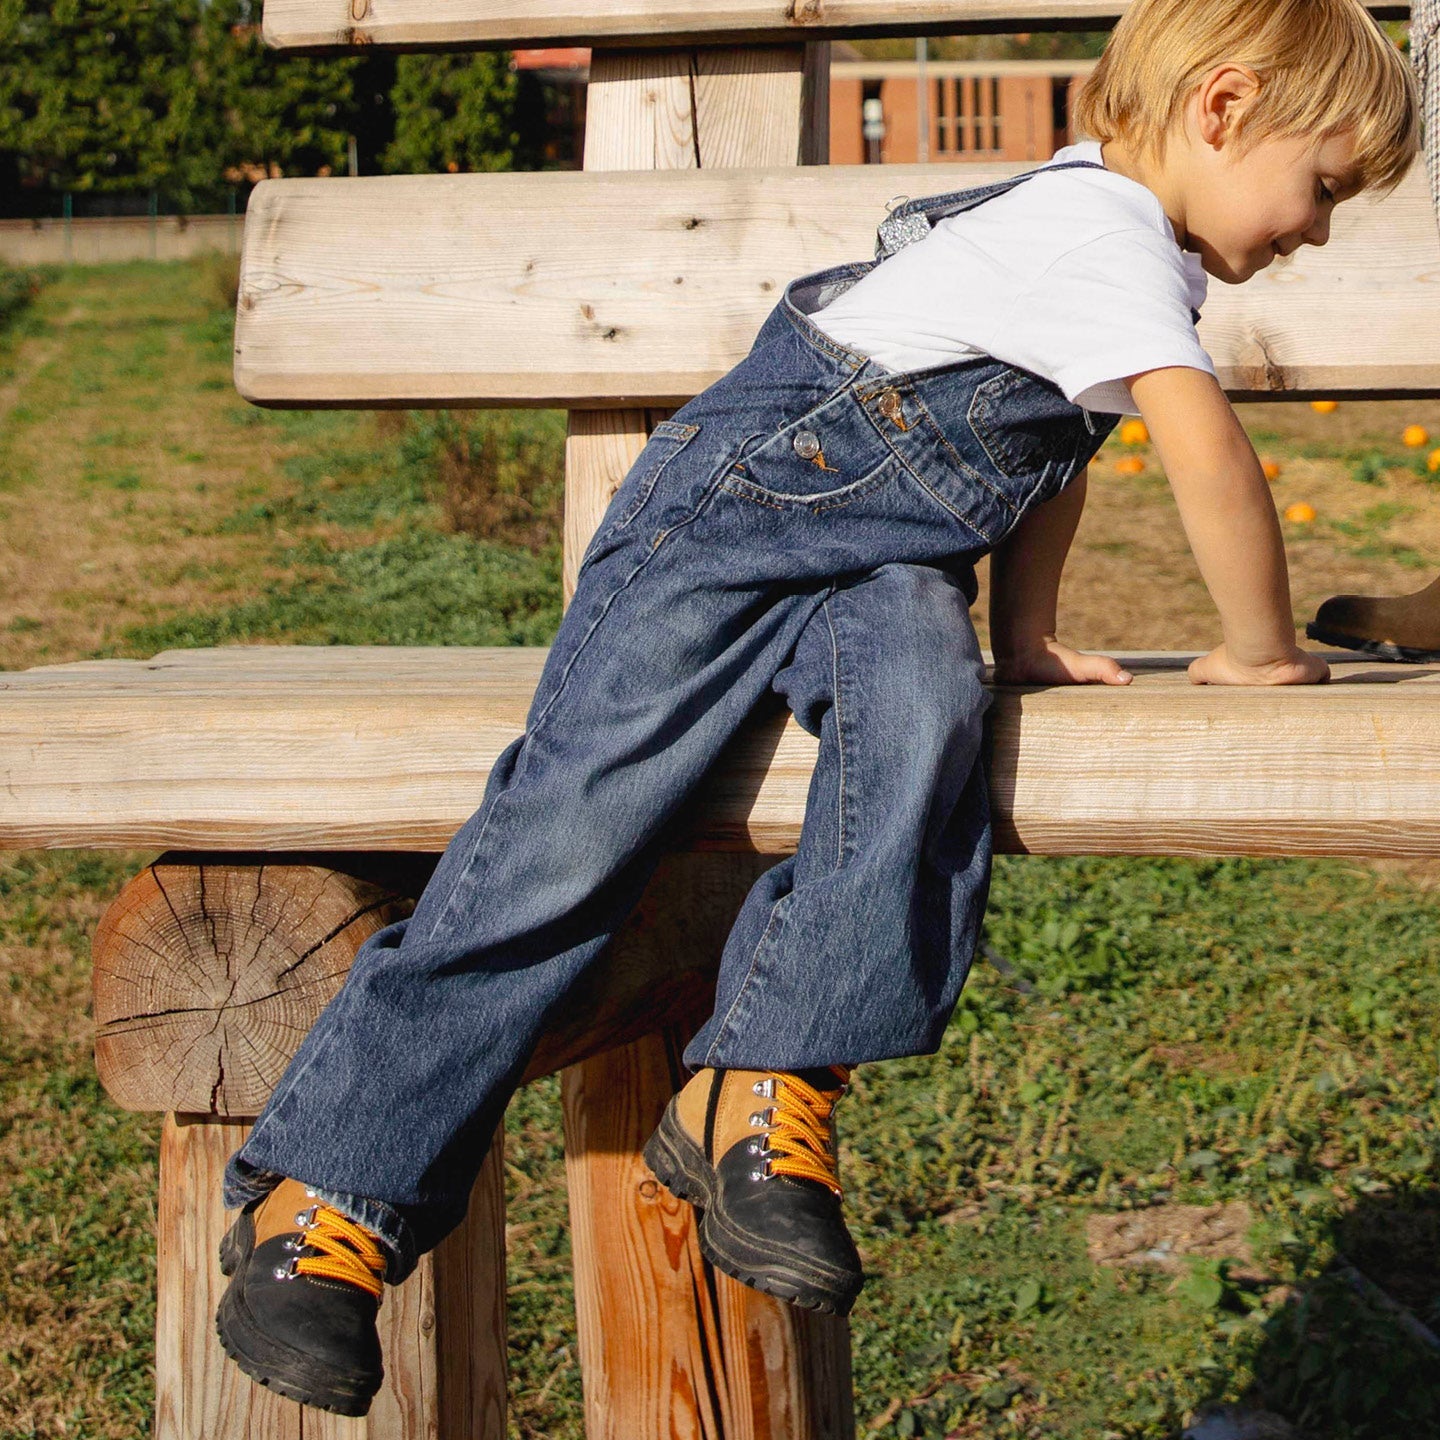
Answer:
(913, 220)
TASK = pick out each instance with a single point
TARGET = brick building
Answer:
(975, 109)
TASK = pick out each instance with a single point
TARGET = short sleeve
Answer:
(1112, 307)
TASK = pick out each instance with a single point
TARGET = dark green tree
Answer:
(453, 112)
(271, 113)
(99, 95)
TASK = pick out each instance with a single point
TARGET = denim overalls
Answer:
(807, 526)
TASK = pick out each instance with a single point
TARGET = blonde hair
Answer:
(1325, 67)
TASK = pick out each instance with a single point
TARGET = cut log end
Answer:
(206, 976)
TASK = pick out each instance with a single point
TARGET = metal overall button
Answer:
(893, 409)
(806, 444)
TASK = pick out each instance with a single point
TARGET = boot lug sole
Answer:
(1382, 649)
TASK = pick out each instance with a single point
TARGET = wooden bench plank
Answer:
(389, 749)
(480, 289)
(432, 24)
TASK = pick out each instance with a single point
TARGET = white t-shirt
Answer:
(1076, 277)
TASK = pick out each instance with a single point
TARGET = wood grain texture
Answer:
(644, 1312)
(475, 289)
(333, 748)
(680, 110)
(340, 24)
(210, 975)
(442, 1331)
(600, 448)
(209, 970)
(668, 1346)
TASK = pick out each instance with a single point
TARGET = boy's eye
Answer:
(1324, 193)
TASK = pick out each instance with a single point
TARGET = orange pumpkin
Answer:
(1134, 432)
(1271, 469)
(1416, 435)
(1324, 407)
(1300, 513)
(1130, 465)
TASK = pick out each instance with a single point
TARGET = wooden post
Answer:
(442, 1331)
(668, 1346)
(264, 944)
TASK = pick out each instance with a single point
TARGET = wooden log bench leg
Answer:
(669, 1347)
(207, 975)
(442, 1331)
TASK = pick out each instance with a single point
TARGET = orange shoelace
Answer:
(801, 1135)
(348, 1251)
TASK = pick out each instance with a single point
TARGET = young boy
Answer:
(809, 525)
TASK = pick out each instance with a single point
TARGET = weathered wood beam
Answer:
(746, 1366)
(334, 748)
(476, 289)
(657, 1356)
(435, 24)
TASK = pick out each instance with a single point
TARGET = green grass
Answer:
(1164, 1032)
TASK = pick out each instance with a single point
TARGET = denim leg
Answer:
(856, 947)
(389, 1102)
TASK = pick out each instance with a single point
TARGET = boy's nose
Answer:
(1319, 232)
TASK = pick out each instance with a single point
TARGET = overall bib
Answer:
(808, 527)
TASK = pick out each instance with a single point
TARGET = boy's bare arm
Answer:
(1230, 522)
(1024, 586)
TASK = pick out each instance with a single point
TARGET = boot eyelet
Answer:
(305, 1219)
(763, 1173)
(285, 1271)
(765, 1088)
(763, 1117)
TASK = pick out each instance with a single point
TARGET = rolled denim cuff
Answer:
(244, 1184)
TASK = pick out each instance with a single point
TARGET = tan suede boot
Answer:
(1399, 627)
(755, 1152)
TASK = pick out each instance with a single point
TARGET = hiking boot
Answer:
(755, 1151)
(1400, 627)
(299, 1313)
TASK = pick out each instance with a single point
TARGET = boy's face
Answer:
(1244, 212)
(1238, 212)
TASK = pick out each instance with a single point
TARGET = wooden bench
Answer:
(301, 808)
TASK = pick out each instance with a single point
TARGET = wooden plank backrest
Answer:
(340, 24)
(483, 289)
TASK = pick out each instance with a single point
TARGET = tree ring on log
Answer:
(209, 970)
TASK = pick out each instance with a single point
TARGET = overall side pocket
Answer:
(667, 440)
(1028, 432)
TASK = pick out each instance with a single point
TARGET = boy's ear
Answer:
(1222, 96)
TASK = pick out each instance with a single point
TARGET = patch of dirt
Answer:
(1196, 1057)
(1165, 1235)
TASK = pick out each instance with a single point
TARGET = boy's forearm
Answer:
(1025, 572)
(1225, 507)
(1230, 522)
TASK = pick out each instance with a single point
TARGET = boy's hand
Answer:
(1051, 663)
(1299, 667)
